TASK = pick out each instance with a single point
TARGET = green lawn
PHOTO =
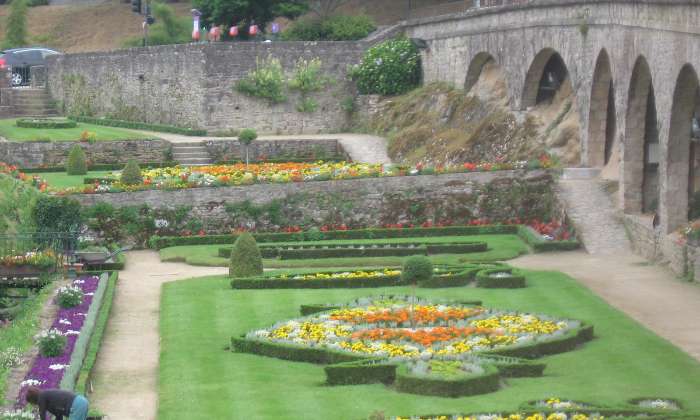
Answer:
(199, 379)
(10, 131)
(501, 247)
(62, 180)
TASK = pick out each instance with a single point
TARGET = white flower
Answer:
(72, 332)
(64, 321)
(31, 382)
(58, 366)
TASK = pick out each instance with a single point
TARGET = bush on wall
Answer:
(333, 28)
(266, 81)
(390, 68)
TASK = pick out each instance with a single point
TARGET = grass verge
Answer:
(198, 317)
(11, 132)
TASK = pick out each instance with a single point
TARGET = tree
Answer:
(245, 12)
(77, 161)
(131, 175)
(246, 260)
(16, 30)
(246, 137)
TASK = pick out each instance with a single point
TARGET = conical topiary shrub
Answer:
(77, 162)
(131, 175)
(246, 260)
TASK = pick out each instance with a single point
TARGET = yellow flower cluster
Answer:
(518, 324)
(393, 350)
(344, 275)
(516, 416)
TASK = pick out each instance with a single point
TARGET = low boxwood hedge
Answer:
(311, 309)
(289, 352)
(514, 281)
(609, 412)
(460, 386)
(515, 367)
(539, 244)
(565, 342)
(370, 249)
(361, 372)
(46, 123)
(159, 242)
(141, 126)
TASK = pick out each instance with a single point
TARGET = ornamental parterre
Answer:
(422, 340)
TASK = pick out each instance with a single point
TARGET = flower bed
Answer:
(436, 348)
(178, 177)
(76, 325)
(14, 172)
(442, 277)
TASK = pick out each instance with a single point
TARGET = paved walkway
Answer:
(360, 147)
(126, 372)
(650, 294)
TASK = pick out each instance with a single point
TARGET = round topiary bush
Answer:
(390, 68)
(77, 161)
(417, 269)
(247, 135)
(131, 174)
(50, 123)
(246, 260)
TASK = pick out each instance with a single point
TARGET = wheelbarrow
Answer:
(97, 257)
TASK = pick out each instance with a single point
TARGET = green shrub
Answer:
(77, 161)
(247, 135)
(245, 257)
(390, 68)
(57, 214)
(490, 279)
(168, 29)
(48, 123)
(334, 28)
(51, 343)
(131, 175)
(16, 25)
(69, 297)
(266, 81)
(417, 269)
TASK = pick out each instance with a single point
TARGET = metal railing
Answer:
(62, 244)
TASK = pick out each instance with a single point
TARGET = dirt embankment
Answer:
(439, 124)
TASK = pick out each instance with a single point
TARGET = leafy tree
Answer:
(168, 29)
(57, 214)
(16, 30)
(246, 260)
(245, 12)
(417, 269)
(246, 137)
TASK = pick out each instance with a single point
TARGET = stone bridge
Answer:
(632, 66)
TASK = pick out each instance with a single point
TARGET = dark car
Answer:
(19, 60)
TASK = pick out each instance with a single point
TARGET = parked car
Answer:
(19, 60)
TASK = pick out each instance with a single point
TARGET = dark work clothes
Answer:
(56, 402)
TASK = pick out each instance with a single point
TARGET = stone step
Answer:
(189, 149)
(592, 212)
(188, 144)
(580, 173)
(194, 161)
(203, 155)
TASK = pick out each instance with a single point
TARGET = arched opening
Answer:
(601, 120)
(546, 75)
(485, 79)
(681, 160)
(641, 156)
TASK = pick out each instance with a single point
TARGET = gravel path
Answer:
(649, 294)
(126, 372)
(363, 148)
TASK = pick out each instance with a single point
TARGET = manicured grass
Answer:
(62, 180)
(10, 131)
(199, 379)
(501, 247)
(20, 334)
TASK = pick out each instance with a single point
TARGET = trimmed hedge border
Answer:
(532, 238)
(70, 376)
(621, 412)
(566, 342)
(289, 252)
(487, 382)
(293, 353)
(140, 126)
(46, 123)
(458, 278)
(83, 385)
(366, 371)
(95, 167)
(311, 309)
(484, 279)
(160, 242)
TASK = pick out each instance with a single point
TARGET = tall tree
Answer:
(244, 12)
(16, 30)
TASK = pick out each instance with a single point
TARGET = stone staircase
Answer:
(592, 212)
(31, 102)
(191, 154)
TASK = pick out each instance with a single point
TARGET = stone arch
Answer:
(547, 63)
(485, 79)
(640, 159)
(475, 67)
(679, 175)
(601, 117)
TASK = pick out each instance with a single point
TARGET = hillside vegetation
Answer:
(16, 201)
